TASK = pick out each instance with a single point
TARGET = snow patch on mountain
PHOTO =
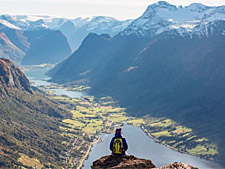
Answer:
(9, 25)
(29, 22)
(13, 21)
(100, 22)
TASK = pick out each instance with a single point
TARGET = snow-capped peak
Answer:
(162, 4)
(162, 16)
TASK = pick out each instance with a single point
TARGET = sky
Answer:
(120, 9)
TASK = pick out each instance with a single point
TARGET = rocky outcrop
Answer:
(12, 77)
(131, 162)
(127, 162)
(177, 165)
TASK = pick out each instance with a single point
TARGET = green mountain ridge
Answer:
(29, 122)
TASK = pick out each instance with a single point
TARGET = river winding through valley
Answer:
(140, 145)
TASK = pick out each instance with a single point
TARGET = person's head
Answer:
(118, 131)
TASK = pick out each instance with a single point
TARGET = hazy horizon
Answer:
(127, 9)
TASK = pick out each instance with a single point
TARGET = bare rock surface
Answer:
(127, 162)
(177, 165)
(131, 162)
(12, 77)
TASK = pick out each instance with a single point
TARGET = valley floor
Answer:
(91, 117)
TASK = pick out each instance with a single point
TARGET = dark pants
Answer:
(119, 155)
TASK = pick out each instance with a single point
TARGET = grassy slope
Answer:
(29, 128)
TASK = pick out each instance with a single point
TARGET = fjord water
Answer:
(38, 78)
(140, 145)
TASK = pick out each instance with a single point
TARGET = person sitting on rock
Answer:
(118, 144)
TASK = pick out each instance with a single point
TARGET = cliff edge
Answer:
(131, 162)
(12, 77)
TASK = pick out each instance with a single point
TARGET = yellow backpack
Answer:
(118, 146)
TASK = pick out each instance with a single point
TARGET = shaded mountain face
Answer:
(29, 122)
(18, 38)
(34, 47)
(47, 46)
(10, 50)
(177, 73)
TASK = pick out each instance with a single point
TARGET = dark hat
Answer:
(118, 130)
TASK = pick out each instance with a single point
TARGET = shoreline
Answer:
(85, 157)
(150, 136)
(89, 149)
(157, 141)
(142, 127)
(172, 148)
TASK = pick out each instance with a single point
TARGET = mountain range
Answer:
(162, 16)
(75, 30)
(167, 63)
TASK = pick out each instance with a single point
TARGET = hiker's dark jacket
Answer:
(125, 146)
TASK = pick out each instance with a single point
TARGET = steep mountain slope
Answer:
(35, 46)
(9, 50)
(18, 38)
(177, 73)
(47, 46)
(29, 123)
